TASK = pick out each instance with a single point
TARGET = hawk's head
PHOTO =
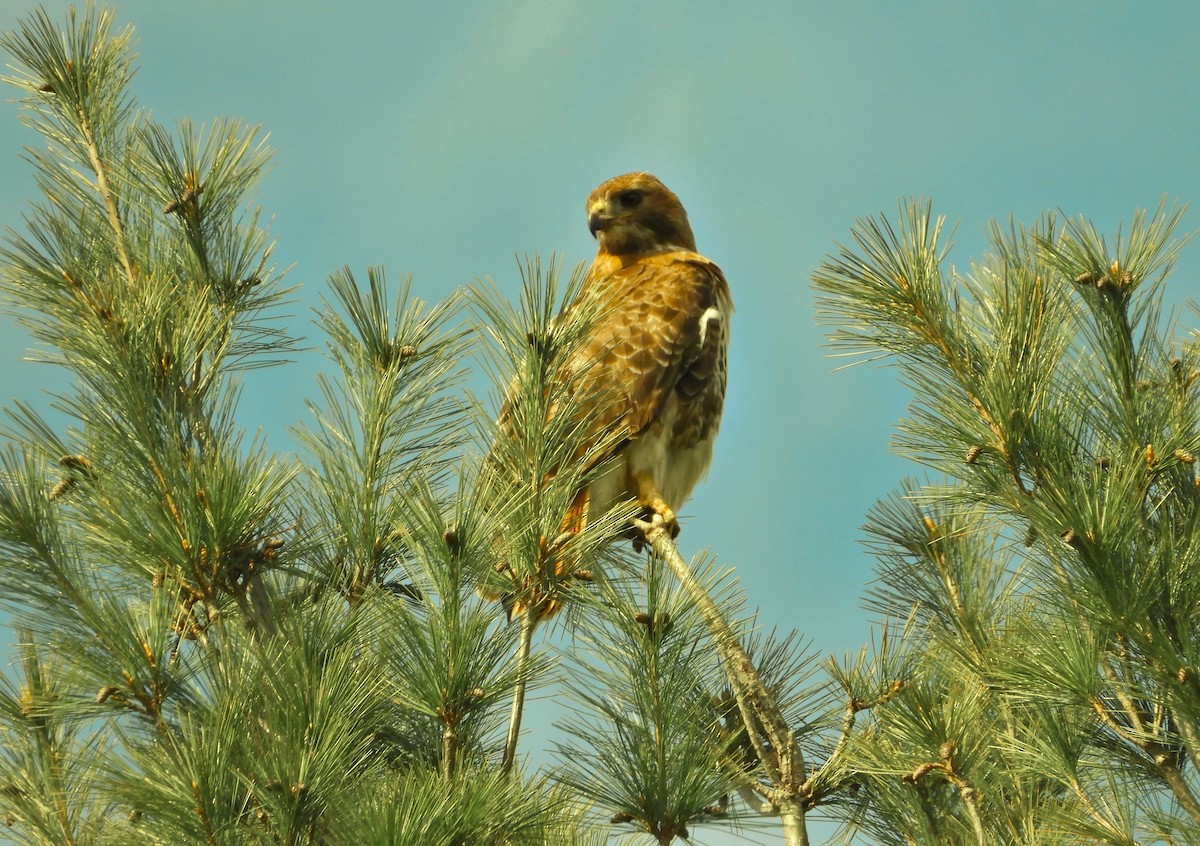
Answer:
(635, 213)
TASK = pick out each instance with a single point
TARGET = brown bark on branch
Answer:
(773, 740)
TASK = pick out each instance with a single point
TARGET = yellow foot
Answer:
(654, 509)
(660, 513)
(655, 520)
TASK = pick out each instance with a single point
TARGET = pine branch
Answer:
(528, 623)
(650, 740)
(268, 652)
(1057, 345)
(761, 715)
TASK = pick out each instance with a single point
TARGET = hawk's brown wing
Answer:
(649, 342)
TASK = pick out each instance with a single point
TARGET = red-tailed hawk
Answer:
(649, 376)
(658, 354)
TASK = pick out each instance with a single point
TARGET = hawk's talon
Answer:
(665, 519)
(635, 535)
(649, 521)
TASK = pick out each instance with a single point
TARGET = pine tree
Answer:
(221, 645)
(217, 644)
(1039, 594)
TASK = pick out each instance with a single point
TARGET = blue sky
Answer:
(443, 139)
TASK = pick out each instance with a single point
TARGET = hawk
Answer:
(649, 375)
(657, 356)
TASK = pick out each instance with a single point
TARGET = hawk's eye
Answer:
(630, 199)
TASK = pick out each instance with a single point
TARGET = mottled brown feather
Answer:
(652, 371)
(648, 343)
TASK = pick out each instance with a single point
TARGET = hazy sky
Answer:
(441, 139)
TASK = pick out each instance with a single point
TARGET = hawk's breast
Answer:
(675, 447)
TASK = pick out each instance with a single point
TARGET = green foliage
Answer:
(221, 645)
(231, 648)
(544, 447)
(646, 739)
(1050, 580)
(386, 426)
(47, 757)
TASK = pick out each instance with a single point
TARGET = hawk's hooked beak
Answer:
(598, 218)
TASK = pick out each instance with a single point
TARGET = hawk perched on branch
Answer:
(658, 353)
(647, 377)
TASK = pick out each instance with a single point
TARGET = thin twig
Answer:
(966, 791)
(970, 797)
(1163, 765)
(449, 748)
(528, 624)
(106, 194)
(260, 605)
(1127, 703)
(1097, 817)
(1179, 786)
(751, 694)
(1191, 741)
(854, 706)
